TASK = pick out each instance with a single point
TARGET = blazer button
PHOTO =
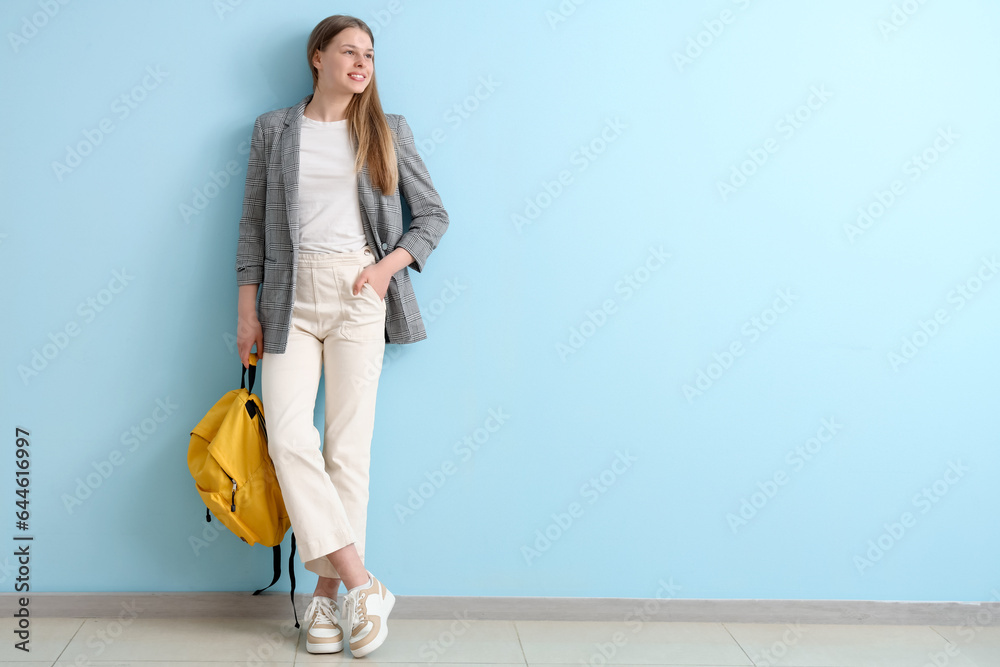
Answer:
(385, 245)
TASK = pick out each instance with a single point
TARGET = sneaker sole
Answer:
(325, 647)
(383, 630)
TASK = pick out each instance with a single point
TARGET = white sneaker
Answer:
(365, 612)
(324, 634)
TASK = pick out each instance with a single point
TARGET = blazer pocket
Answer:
(277, 255)
(277, 274)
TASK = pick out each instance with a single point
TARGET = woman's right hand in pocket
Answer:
(249, 332)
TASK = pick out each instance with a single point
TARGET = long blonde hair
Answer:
(374, 142)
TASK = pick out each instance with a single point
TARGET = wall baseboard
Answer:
(278, 605)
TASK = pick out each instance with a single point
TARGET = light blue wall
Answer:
(664, 135)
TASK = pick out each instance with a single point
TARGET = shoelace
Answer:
(353, 607)
(321, 610)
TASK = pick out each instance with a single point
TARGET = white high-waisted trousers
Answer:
(333, 330)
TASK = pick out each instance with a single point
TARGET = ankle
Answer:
(326, 593)
(361, 584)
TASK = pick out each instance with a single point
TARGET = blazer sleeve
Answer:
(429, 220)
(250, 247)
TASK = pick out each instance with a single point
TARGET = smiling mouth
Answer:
(357, 77)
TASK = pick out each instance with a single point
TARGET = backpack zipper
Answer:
(232, 502)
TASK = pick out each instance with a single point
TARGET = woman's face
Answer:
(347, 63)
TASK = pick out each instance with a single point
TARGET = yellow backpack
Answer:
(235, 477)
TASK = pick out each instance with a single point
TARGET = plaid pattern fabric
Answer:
(267, 252)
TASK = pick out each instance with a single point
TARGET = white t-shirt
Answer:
(329, 209)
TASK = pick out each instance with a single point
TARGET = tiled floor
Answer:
(239, 641)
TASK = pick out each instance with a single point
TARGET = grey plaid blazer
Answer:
(268, 249)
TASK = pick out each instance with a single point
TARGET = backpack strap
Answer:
(291, 576)
(253, 373)
(276, 553)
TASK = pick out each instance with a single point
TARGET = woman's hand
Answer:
(374, 276)
(249, 332)
(248, 329)
(381, 272)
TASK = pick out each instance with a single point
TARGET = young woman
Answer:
(322, 235)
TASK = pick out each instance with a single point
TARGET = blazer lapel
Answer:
(367, 198)
(289, 150)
